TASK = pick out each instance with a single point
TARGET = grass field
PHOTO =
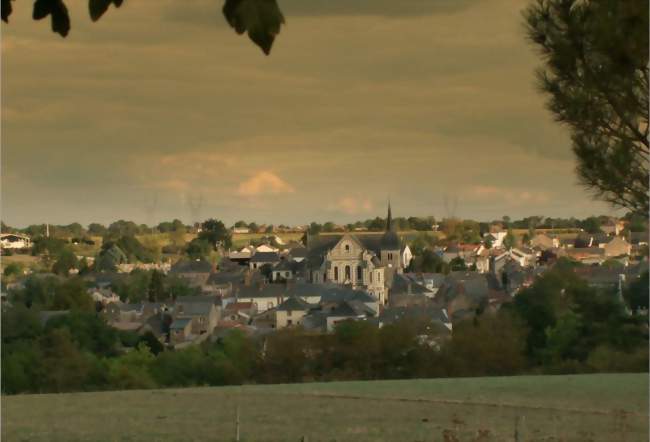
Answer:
(548, 408)
(26, 261)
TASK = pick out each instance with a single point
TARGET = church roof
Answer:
(390, 241)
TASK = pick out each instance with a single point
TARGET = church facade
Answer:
(364, 262)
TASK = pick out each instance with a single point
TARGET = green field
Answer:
(548, 408)
(243, 239)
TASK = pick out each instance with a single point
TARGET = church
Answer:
(362, 261)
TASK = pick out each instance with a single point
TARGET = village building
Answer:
(15, 241)
(363, 262)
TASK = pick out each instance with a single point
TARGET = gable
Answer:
(348, 246)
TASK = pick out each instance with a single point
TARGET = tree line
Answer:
(558, 325)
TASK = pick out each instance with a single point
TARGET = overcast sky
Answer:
(160, 104)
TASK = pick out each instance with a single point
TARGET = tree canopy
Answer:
(595, 75)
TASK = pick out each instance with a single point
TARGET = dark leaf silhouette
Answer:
(262, 20)
(58, 11)
(6, 10)
(97, 8)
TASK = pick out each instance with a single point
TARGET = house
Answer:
(587, 255)
(260, 259)
(239, 311)
(336, 295)
(203, 314)
(265, 248)
(283, 271)
(180, 330)
(240, 230)
(328, 317)
(495, 238)
(298, 254)
(544, 242)
(463, 293)
(103, 295)
(195, 272)
(408, 290)
(15, 241)
(291, 312)
(364, 262)
(602, 277)
(613, 226)
(524, 256)
(243, 256)
(617, 246)
(263, 296)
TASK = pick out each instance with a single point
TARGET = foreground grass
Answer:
(569, 408)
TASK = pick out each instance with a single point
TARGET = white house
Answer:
(497, 238)
(15, 241)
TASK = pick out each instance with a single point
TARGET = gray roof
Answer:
(232, 277)
(195, 266)
(261, 291)
(213, 299)
(316, 320)
(350, 309)
(415, 312)
(265, 257)
(436, 279)
(299, 252)
(473, 284)
(341, 293)
(194, 308)
(284, 266)
(403, 284)
(180, 323)
(390, 241)
(294, 303)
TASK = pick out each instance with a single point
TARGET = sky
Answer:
(160, 111)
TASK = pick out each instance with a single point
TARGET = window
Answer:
(378, 277)
(371, 277)
(287, 274)
(359, 274)
(347, 247)
(289, 322)
(289, 312)
(324, 276)
(336, 274)
(347, 273)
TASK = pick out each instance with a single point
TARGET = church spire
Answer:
(389, 219)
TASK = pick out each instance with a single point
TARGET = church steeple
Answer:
(389, 219)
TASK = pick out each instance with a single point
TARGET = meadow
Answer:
(600, 407)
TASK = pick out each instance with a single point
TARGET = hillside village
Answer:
(324, 279)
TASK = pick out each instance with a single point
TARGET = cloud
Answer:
(181, 172)
(264, 183)
(352, 205)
